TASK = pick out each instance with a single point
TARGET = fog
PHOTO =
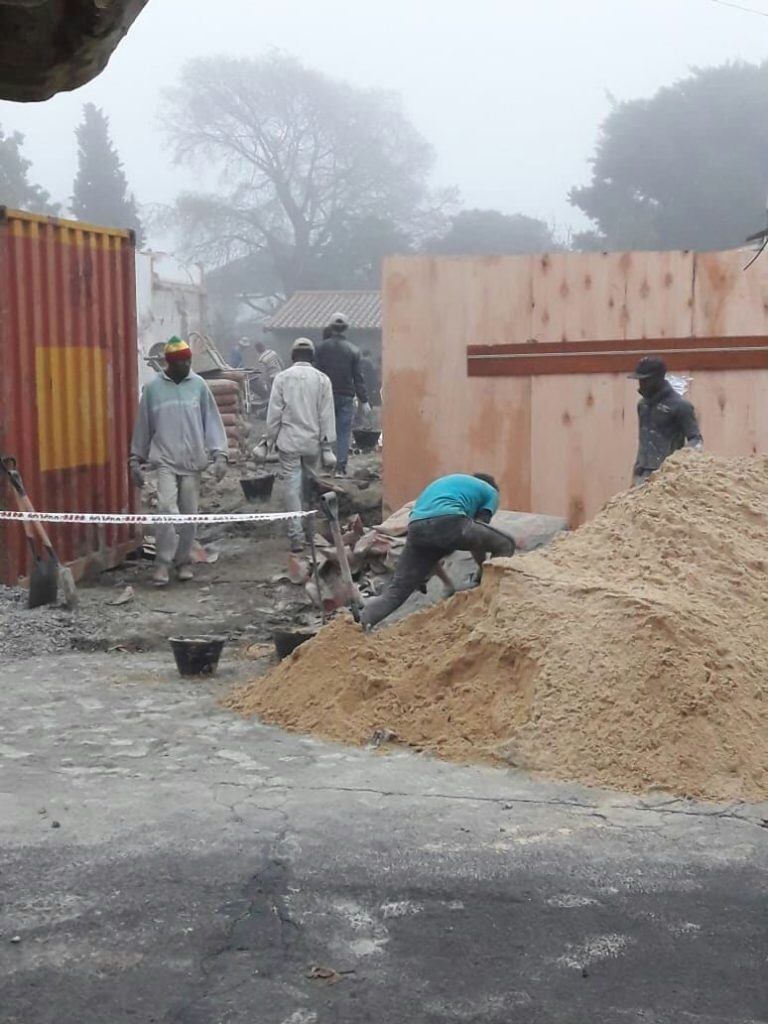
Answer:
(509, 93)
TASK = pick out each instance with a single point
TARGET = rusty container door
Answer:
(67, 381)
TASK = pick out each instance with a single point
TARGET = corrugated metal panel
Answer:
(313, 310)
(67, 380)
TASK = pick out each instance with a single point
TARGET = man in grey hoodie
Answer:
(177, 428)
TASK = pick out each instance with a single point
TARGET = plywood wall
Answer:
(561, 444)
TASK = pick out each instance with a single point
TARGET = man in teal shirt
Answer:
(451, 514)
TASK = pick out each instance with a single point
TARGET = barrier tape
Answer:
(116, 519)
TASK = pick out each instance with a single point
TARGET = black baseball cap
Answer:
(649, 366)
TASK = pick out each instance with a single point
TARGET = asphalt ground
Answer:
(164, 860)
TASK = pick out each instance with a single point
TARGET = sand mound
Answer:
(632, 653)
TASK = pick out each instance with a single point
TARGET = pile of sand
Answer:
(632, 653)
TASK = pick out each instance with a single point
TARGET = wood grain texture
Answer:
(475, 350)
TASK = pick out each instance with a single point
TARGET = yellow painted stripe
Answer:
(71, 388)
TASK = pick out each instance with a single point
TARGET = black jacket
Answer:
(666, 422)
(340, 360)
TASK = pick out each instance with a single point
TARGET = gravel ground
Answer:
(26, 632)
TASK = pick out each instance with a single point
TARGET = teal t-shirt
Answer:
(456, 495)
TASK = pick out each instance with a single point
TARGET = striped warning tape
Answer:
(117, 519)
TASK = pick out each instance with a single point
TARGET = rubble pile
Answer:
(372, 555)
(632, 653)
(28, 633)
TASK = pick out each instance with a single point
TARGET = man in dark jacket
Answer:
(339, 359)
(667, 421)
(452, 514)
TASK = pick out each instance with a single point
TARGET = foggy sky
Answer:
(509, 92)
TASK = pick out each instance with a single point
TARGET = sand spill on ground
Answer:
(632, 653)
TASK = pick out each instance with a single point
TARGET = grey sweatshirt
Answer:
(178, 425)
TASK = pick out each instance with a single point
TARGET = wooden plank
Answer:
(640, 346)
(583, 442)
(728, 300)
(658, 294)
(578, 296)
(617, 362)
(732, 411)
(435, 420)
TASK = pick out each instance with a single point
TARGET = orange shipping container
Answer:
(67, 381)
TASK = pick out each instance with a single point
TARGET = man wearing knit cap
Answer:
(178, 427)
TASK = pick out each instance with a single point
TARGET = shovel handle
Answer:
(26, 506)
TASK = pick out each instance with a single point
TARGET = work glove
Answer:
(366, 409)
(137, 474)
(327, 458)
(219, 468)
(261, 450)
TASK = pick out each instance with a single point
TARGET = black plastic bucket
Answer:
(197, 656)
(258, 488)
(287, 640)
(366, 440)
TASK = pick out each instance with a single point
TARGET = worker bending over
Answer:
(452, 514)
(301, 426)
(178, 427)
(666, 420)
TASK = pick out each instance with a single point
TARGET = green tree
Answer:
(100, 191)
(489, 231)
(309, 168)
(16, 190)
(687, 168)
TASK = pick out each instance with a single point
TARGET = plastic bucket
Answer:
(197, 656)
(258, 488)
(366, 440)
(287, 640)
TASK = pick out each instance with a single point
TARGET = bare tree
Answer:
(302, 160)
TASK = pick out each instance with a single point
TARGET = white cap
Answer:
(339, 320)
(303, 345)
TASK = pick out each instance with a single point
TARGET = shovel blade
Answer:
(43, 583)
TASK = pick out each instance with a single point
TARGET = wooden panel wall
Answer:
(583, 426)
(436, 420)
(558, 444)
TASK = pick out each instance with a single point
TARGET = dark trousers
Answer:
(429, 541)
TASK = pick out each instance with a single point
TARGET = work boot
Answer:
(341, 472)
(186, 573)
(161, 576)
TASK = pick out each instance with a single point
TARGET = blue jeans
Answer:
(344, 408)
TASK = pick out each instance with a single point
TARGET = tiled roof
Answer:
(313, 310)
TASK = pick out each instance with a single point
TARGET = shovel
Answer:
(330, 505)
(47, 574)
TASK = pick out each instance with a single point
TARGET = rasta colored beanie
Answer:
(177, 349)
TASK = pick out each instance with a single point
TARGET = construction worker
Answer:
(340, 360)
(666, 420)
(269, 363)
(237, 357)
(178, 427)
(452, 514)
(301, 425)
